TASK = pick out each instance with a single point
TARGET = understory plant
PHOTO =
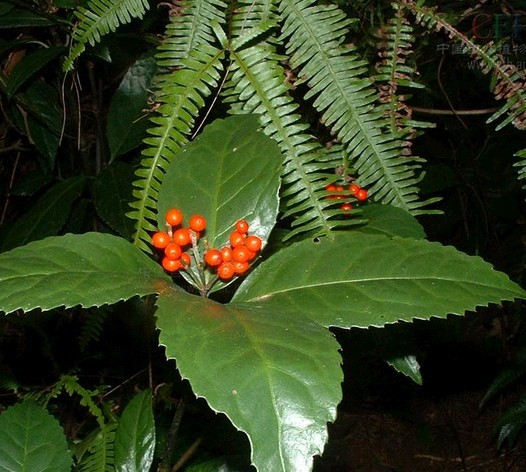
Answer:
(262, 113)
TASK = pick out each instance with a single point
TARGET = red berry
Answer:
(182, 237)
(173, 251)
(361, 195)
(174, 217)
(226, 271)
(330, 188)
(226, 252)
(353, 188)
(213, 257)
(186, 259)
(197, 223)
(240, 267)
(237, 239)
(241, 254)
(171, 265)
(160, 239)
(346, 207)
(253, 243)
(242, 227)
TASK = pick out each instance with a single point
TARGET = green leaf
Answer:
(407, 365)
(274, 374)
(125, 130)
(368, 280)
(29, 66)
(32, 440)
(47, 216)
(18, 18)
(390, 221)
(112, 194)
(231, 172)
(89, 269)
(135, 435)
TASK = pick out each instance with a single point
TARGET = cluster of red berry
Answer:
(175, 241)
(234, 259)
(339, 192)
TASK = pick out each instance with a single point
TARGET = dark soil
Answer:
(387, 423)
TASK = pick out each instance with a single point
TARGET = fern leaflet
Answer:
(345, 98)
(100, 18)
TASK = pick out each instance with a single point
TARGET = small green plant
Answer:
(305, 200)
(265, 358)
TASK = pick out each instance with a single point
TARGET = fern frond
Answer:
(394, 73)
(92, 326)
(189, 26)
(100, 18)
(71, 385)
(510, 82)
(345, 97)
(512, 423)
(521, 165)
(182, 95)
(100, 456)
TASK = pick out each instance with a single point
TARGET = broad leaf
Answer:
(275, 375)
(125, 129)
(231, 172)
(31, 440)
(390, 221)
(368, 280)
(135, 435)
(47, 216)
(407, 365)
(89, 269)
(112, 193)
(30, 65)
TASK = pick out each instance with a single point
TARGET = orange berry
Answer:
(173, 251)
(362, 195)
(330, 188)
(240, 267)
(197, 223)
(346, 207)
(171, 265)
(160, 239)
(240, 254)
(213, 257)
(225, 271)
(353, 188)
(226, 252)
(253, 243)
(186, 259)
(242, 227)
(174, 217)
(237, 239)
(182, 237)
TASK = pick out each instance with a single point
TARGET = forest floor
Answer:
(387, 423)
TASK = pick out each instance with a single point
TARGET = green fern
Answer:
(521, 165)
(99, 453)
(511, 424)
(100, 18)
(71, 385)
(181, 93)
(92, 326)
(509, 82)
(257, 85)
(189, 27)
(346, 99)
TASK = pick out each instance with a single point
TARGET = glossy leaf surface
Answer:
(390, 221)
(275, 375)
(47, 216)
(368, 280)
(31, 440)
(112, 195)
(89, 269)
(231, 172)
(135, 436)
